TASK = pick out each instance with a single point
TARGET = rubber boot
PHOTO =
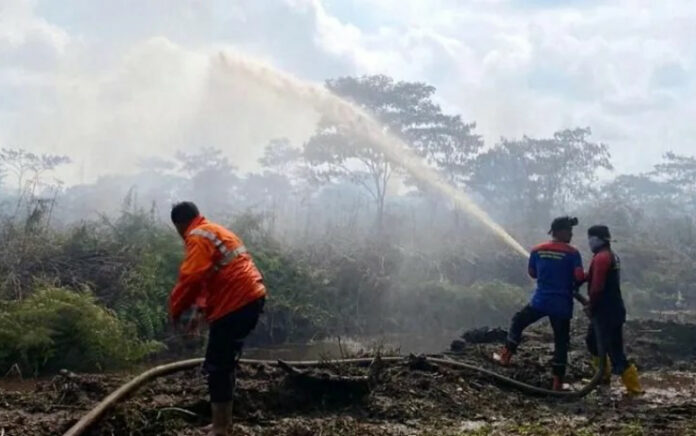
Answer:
(631, 381)
(220, 418)
(606, 378)
(557, 383)
(505, 356)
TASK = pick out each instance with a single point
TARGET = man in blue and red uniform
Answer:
(557, 268)
(607, 307)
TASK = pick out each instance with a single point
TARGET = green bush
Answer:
(57, 328)
(145, 284)
(131, 264)
(299, 305)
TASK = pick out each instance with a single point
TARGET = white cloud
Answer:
(149, 83)
(28, 41)
(538, 69)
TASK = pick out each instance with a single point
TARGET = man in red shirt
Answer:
(217, 276)
(607, 307)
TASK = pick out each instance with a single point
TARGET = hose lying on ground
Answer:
(119, 394)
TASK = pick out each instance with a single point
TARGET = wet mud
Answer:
(407, 398)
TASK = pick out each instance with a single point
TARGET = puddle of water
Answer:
(17, 384)
(330, 348)
(336, 348)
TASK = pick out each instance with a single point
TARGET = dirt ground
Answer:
(408, 399)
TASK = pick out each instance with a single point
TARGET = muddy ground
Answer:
(408, 398)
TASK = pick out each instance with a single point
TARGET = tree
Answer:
(279, 155)
(406, 110)
(639, 191)
(284, 171)
(28, 167)
(213, 178)
(29, 170)
(621, 204)
(449, 144)
(529, 178)
(270, 190)
(679, 172)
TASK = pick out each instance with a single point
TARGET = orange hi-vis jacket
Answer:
(217, 274)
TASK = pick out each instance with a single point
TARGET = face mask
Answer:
(596, 243)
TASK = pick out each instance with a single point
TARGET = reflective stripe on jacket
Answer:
(217, 273)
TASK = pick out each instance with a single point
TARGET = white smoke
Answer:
(340, 110)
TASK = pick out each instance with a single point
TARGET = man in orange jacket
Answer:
(219, 277)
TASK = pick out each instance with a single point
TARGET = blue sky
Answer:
(109, 82)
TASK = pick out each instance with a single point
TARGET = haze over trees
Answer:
(405, 110)
(347, 241)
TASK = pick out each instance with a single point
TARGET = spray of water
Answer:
(365, 126)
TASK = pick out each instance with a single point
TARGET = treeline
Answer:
(348, 243)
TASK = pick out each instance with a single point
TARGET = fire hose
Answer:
(125, 390)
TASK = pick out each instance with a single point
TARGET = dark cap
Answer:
(600, 231)
(563, 223)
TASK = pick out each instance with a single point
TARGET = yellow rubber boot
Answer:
(606, 379)
(631, 381)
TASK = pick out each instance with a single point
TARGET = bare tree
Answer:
(29, 170)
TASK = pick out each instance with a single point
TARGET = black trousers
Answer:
(561, 335)
(225, 343)
(612, 338)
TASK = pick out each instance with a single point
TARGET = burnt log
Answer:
(325, 383)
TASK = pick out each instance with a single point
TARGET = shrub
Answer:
(299, 306)
(58, 328)
(146, 282)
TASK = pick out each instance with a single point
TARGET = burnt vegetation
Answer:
(347, 242)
